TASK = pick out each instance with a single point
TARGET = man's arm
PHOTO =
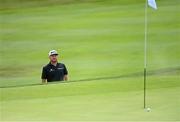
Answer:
(65, 73)
(44, 76)
(65, 77)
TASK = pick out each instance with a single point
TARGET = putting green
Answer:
(101, 43)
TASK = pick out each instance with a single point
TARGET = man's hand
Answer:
(44, 81)
(65, 77)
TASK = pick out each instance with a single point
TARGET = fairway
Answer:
(102, 44)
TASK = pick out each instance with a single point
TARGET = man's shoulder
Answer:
(61, 64)
(46, 66)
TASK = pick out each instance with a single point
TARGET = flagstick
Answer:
(145, 52)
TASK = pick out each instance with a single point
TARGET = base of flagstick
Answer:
(144, 88)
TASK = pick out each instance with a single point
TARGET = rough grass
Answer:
(96, 40)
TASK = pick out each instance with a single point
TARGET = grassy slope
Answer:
(95, 40)
(95, 100)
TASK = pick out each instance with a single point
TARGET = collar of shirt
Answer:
(53, 65)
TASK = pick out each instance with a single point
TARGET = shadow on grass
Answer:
(165, 71)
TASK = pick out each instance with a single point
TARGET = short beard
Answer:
(54, 61)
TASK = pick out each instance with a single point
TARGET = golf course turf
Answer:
(102, 44)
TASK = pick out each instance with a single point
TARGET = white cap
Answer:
(53, 52)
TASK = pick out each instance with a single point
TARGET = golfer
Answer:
(54, 71)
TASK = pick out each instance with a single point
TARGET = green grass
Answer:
(95, 39)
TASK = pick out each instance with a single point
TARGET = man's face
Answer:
(53, 58)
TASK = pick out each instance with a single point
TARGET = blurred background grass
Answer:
(6, 4)
(95, 38)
